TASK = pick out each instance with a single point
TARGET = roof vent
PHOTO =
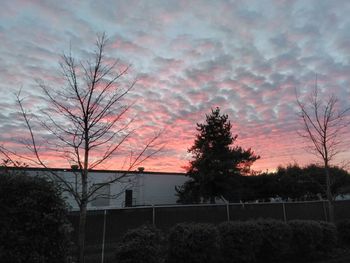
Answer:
(74, 167)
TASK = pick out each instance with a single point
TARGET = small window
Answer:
(101, 196)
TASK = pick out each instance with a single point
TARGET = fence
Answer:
(106, 227)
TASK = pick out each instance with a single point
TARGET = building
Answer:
(135, 188)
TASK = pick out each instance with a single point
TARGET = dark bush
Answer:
(276, 238)
(307, 236)
(343, 228)
(239, 241)
(143, 244)
(329, 239)
(193, 243)
(33, 223)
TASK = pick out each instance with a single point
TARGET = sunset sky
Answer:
(247, 57)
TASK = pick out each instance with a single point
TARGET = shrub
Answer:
(143, 244)
(330, 237)
(33, 223)
(239, 241)
(192, 243)
(307, 236)
(276, 238)
(343, 228)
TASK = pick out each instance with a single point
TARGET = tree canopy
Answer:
(216, 161)
(292, 183)
(33, 220)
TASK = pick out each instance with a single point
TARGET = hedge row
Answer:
(33, 221)
(250, 241)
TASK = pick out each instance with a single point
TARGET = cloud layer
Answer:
(247, 57)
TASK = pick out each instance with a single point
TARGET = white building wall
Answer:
(159, 189)
(148, 188)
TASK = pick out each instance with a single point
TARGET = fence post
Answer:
(103, 236)
(284, 211)
(325, 211)
(228, 211)
(153, 215)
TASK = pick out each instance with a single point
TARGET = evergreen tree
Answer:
(216, 162)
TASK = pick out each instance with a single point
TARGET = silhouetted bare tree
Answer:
(88, 124)
(324, 123)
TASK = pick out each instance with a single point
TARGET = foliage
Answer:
(343, 228)
(188, 193)
(259, 187)
(292, 182)
(312, 179)
(195, 243)
(276, 238)
(307, 237)
(239, 241)
(143, 244)
(33, 222)
(262, 241)
(329, 237)
(297, 183)
(215, 160)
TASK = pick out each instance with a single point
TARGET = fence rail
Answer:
(106, 227)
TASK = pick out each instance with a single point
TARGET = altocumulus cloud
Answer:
(247, 57)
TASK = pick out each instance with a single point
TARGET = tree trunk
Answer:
(329, 194)
(84, 198)
(83, 212)
(81, 234)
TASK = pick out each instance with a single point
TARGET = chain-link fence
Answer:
(106, 227)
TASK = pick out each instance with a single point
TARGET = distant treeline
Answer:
(291, 183)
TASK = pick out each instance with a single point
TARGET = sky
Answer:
(249, 58)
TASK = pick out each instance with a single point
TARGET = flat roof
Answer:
(94, 171)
